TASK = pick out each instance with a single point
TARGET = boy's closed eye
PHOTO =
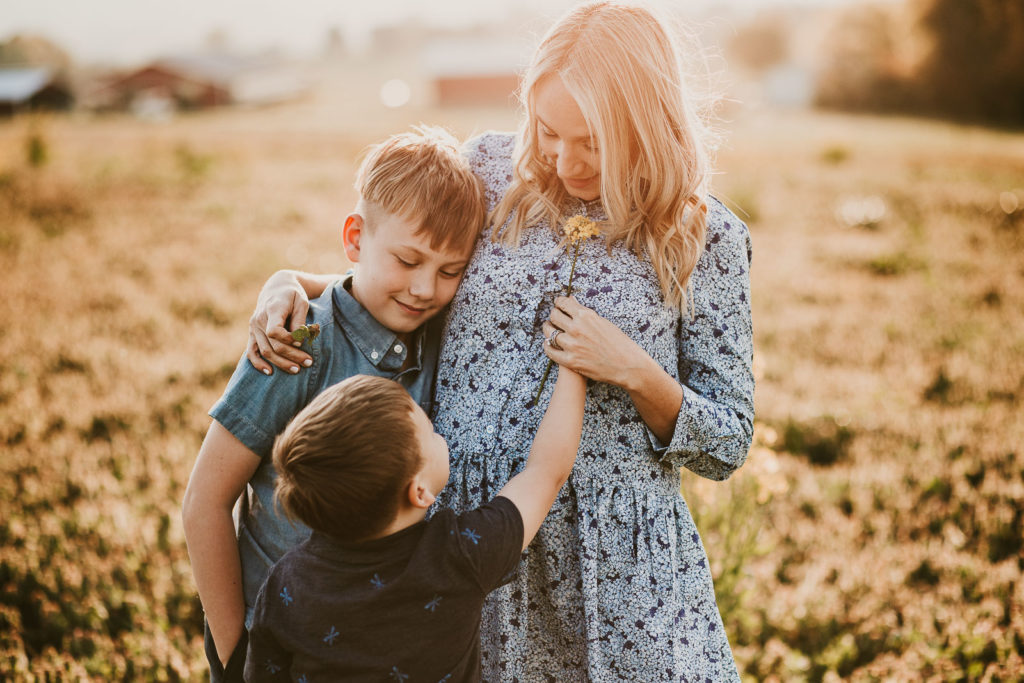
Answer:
(453, 273)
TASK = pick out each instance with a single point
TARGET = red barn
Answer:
(475, 72)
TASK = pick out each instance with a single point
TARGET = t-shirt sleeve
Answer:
(255, 407)
(490, 541)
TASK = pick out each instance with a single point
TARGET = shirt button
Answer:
(374, 355)
(490, 429)
(398, 348)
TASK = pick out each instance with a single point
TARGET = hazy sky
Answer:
(127, 31)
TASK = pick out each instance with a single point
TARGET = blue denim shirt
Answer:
(256, 408)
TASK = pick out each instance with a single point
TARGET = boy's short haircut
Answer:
(343, 462)
(422, 176)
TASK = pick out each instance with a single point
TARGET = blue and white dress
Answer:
(616, 586)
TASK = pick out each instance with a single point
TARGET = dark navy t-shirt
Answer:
(404, 608)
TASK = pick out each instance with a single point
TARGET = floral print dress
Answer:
(616, 586)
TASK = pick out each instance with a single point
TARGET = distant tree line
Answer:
(958, 59)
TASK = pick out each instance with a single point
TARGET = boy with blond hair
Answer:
(409, 238)
(377, 593)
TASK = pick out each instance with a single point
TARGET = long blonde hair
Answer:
(623, 67)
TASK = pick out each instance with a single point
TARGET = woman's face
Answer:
(565, 139)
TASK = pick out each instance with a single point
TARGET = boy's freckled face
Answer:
(433, 452)
(400, 279)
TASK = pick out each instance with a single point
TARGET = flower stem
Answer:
(572, 271)
(568, 292)
(543, 379)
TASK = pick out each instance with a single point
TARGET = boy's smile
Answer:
(400, 279)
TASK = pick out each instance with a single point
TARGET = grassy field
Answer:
(875, 533)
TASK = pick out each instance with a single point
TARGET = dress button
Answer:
(398, 348)
(374, 355)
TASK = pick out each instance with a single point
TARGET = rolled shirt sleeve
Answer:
(715, 425)
(255, 407)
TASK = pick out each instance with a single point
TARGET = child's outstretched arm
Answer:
(222, 470)
(552, 455)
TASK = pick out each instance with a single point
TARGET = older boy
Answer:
(412, 232)
(377, 593)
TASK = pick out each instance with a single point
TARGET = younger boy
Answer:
(377, 593)
(411, 235)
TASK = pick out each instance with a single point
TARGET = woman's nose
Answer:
(566, 163)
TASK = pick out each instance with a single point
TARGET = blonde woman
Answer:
(616, 586)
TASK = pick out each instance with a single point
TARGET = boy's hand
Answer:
(282, 302)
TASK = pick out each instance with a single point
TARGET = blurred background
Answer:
(159, 161)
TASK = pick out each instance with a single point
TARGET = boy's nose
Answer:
(422, 286)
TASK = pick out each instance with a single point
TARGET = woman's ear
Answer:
(352, 235)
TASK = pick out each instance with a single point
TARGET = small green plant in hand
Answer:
(306, 333)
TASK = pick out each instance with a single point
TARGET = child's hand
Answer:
(568, 375)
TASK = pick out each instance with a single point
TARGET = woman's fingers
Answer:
(252, 352)
(556, 354)
(281, 311)
(569, 306)
(273, 341)
(560, 319)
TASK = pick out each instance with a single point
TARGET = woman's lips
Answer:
(579, 184)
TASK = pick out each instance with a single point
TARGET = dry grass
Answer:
(875, 533)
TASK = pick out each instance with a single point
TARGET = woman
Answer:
(616, 586)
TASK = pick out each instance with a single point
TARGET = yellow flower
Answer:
(576, 229)
(580, 228)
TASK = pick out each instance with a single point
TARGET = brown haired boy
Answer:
(410, 237)
(377, 593)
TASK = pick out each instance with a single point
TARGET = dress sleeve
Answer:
(715, 424)
(265, 659)
(490, 158)
(489, 540)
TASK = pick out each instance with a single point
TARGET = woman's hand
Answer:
(281, 307)
(592, 345)
(597, 349)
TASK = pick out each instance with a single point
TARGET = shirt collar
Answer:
(381, 346)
